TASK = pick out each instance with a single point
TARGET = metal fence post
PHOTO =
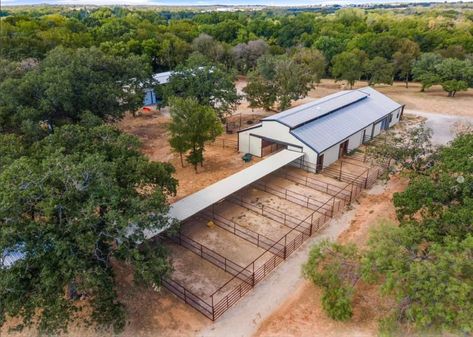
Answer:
(285, 245)
(213, 310)
(333, 206)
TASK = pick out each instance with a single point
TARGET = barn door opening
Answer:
(343, 149)
(320, 163)
(268, 147)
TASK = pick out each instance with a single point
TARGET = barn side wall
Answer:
(249, 141)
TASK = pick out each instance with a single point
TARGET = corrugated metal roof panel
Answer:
(333, 128)
(310, 111)
(162, 78)
(196, 202)
(10, 256)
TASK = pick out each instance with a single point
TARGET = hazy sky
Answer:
(200, 2)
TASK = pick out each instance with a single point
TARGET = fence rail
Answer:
(208, 254)
(315, 184)
(224, 143)
(281, 249)
(240, 231)
(289, 195)
(204, 307)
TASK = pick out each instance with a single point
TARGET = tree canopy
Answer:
(425, 265)
(192, 125)
(167, 39)
(73, 204)
(278, 79)
(68, 84)
(209, 85)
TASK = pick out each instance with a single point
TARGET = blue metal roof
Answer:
(331, 128)
(308, 112)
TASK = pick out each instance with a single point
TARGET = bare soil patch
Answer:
(432, 100)
(223, 242)
(302, 315)
(220, 162)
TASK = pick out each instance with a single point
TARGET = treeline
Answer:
(379, 46)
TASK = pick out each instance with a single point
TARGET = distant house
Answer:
(325, 129)
(151, 98)
(10, 256)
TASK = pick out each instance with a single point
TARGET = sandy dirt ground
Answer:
(252, 221)
(197, 275)
(220, 162)
(433, 100)
(223, 242)
(301, 314)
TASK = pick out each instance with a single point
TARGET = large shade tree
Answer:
(210, 85)
(379, 70)
(404, 58)
(192, 125)
(74, 204)
(349, 66)
(69, 83)
(278, 80)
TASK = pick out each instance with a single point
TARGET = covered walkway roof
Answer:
(196, 202)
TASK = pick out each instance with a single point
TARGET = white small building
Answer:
(325, 129)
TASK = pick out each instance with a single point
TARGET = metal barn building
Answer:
(325, 129)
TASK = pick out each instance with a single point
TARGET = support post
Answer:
(285, 246)
(213, 310)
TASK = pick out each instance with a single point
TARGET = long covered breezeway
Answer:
(194, 203)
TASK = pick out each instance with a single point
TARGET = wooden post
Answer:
(340, 177)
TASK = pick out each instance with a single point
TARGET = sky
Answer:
(200, 2)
